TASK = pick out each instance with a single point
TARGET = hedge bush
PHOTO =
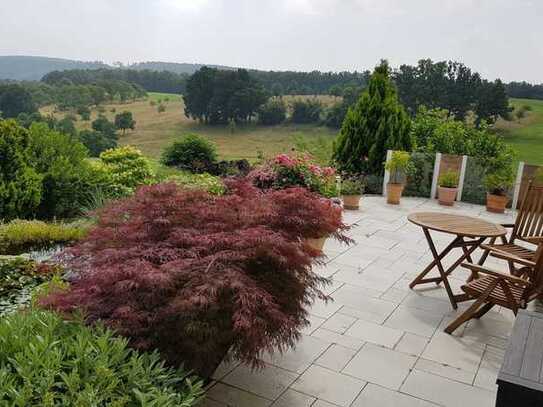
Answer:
(46, 361)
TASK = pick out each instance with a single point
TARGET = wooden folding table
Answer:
(470, 234)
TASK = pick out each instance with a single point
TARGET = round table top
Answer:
(459, 225)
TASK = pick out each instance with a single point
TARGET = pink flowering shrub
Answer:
(285, 171)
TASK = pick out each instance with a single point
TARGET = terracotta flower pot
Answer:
(446, 196)
(496, 203)
(317, 244)
(351, 201)
(394, 193)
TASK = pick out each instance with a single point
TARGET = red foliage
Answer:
(191, 274)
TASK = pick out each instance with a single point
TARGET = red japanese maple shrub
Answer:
(193, 275)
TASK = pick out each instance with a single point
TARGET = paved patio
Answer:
(379, 343)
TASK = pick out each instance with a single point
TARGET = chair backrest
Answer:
(529, 220)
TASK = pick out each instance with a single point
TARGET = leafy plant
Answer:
(192, 152)
(127, 168)
(47, 361)
(18, 277)
(19, 236)
(498, 183)
(399, 166)
(306, 111)
(206, 182)
(193, 275)
(448, 179)
(352, 186)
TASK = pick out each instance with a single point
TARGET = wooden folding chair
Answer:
(528, 228)
(490, 287)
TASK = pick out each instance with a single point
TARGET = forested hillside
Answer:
(30, 68)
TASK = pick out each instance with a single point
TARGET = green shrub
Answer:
(19, 236)
(206, 182)
(272, 112)
(61, 160)
(47, 361)
(448, 179)
(127, 168)
(161, 108)
(499, 182)
(20, 184)
(192, 153)
(18, 278)
(306, 111)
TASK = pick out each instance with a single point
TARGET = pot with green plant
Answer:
(398, 167)
(497, 184)
(351, 192)
(448, 188)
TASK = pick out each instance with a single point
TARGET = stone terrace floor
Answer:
(379, 343)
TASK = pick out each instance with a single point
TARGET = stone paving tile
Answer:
(378, 365)
(300, 358)
(336, 357)
(335, 338)
(490, 366)
(233, 397)
(292, 398)
(371, 309)
(377, 396)
(414, 320)
(268, 383)
(374, 333)
(412, 344)
(458, 352)
(446, 392)
(329, 386)
(449, 372)
(339, 323)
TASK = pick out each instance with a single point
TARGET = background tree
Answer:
(272, 112)
(124, 121)
(376, 123)
(306, 111)
(14, 100)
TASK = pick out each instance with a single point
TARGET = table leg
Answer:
(420, 278)
(440, 268)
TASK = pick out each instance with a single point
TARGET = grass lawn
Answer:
(154, 130)
(526, 135)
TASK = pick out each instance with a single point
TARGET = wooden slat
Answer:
(513, 360)
(531, 366)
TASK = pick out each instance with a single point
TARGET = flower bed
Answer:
(286, 171)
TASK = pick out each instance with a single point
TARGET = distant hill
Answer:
(181, 68)
(29, 68)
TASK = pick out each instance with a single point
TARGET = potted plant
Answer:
(351, 192)
(497, 184)
(448, 187)
(397, 166)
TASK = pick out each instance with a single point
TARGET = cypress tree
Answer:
(376, 123)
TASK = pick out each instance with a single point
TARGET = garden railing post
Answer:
(518, 184)
(386, 177)
(435, 177)
(461, 178)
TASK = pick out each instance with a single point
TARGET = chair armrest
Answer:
(480, 269)
(510, 257)
(533, 239)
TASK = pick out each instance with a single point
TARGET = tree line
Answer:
(524, 90)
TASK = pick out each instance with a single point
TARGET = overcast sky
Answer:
(499, 38)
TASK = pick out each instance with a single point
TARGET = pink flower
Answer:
(328, 171)
(284, 159)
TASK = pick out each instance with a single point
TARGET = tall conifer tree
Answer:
(376, 123)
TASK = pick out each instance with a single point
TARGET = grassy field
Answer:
(156, 130)
(526, 135)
